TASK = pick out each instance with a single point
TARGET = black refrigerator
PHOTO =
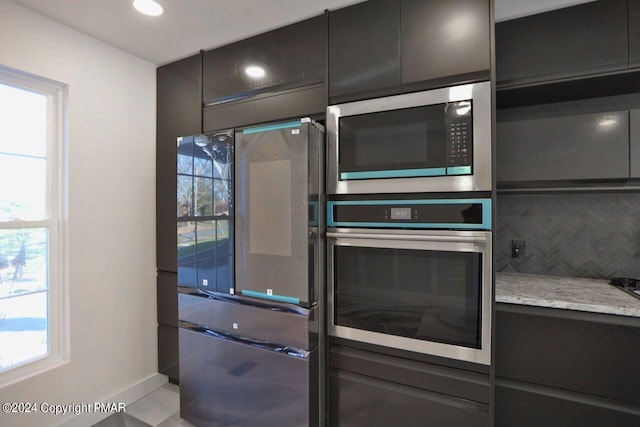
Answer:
(251, 338)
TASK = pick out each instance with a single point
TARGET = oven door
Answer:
(436, 140)
(426, 291)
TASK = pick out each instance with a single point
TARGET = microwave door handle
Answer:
(411, 237)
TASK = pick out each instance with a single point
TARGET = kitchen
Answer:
(523, 211)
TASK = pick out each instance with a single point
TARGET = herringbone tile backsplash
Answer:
(578, 234)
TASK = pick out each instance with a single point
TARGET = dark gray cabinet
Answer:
(168, 352)
(374, 389)
(551, 146)
(565, 43)
(290, 56)
(634, 133)
(384, 47)
(526, 405)
(179, 112)
(309, 101)
(559, 367)
(634, 33)
(364, 50)
(167, 291)
(444, 42)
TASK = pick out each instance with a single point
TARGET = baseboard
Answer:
(126, 396)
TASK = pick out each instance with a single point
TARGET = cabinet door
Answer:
(444, 41)
(364, 50)
(575, 41)
(525, 405)
(634, 33)
(168, 352)
(167, 290)
(179, 112)
(582, 147)
(585, 353)
(290, 56)
(359, 400)
(634, 117)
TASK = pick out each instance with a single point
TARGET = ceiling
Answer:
(188, 26)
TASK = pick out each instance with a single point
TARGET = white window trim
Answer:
(57, 203)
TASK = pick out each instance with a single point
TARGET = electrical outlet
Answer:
(518, 248)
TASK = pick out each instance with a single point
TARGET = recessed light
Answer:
(148, 7)
(255, 71)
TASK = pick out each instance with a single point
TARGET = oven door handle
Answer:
(410, 237)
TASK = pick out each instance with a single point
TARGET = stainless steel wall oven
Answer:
(412, 274)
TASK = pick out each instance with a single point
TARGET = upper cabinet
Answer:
(590, 38)
(556, 148)
(285, 58)
(444, 42)
(364, 49)
(385, 47)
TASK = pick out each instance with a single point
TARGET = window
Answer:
(32, 285)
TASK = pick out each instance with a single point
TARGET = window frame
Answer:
(55, 223)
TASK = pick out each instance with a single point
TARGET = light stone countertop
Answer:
(571, 293)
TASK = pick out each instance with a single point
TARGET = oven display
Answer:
(401, 214)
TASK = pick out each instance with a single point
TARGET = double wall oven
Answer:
(409, 222)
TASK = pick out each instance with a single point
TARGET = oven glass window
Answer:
(420, 294)
(410, 138)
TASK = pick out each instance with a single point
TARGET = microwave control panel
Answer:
(459, 136)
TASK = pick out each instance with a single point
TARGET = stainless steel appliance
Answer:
(421, 280)
(279, 183)
(437, 140)
(205, 211)
(252, 350)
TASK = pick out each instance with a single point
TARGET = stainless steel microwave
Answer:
(431, 141)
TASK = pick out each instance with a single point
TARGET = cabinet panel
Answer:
(535, 407)
(179, 112)
(168, 352)
(574, 41)
(364, 49)
(290, 56)
(308, 101)
(358, 400)
(586, 355)
(167, 288)
(442, 39)
(592, 146)
(634, 118)
(634, 33)
(437, 378)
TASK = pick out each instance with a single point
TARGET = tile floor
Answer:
(160, 408)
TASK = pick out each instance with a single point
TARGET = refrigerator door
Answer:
(224, 382)
(205, 211)
(277, 189)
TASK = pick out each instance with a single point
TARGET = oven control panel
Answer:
(464, 214)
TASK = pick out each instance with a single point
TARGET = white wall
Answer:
(111, 224)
